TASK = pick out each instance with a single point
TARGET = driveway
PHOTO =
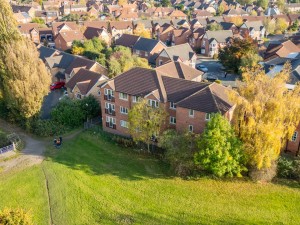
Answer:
(50, 101)
(215, 70)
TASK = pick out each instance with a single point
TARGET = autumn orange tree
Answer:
(265, 117)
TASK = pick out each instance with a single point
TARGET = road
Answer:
(215, 69)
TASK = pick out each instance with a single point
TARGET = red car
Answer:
(57, 85)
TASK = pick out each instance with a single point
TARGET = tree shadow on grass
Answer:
(97, 155)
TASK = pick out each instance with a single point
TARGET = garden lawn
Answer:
(27, 190)
(94, 181)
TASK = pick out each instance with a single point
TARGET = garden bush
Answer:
(47, 128)
(15, 217)
(3, 140)
(288, 167)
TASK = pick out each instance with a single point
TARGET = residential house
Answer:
(195, 40)
(30, 30)
(70, 9)
(30, 10)
(230, 26)
(114, 10)
(160, 12)
(178, 53)
(181, 23)
(63, 40)
(101, 33)
(293, 7)
(196, 23)
(235, 12)
(148, 49)
(180, 36)
(127, 16)
(97, 24)
(201, 14)
(117, 28)
(63, 26)
(164, 33)
(22, 17)
(48, 16)
(84, 83)
(256, 30)
(127, 40)
(214, 40)
(189, 104)
(177, 14)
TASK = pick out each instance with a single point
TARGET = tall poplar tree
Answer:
(266, 115)
(24, 80)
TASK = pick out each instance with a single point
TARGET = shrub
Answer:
(47, 128)
(15, 217)
(215, 56)
(288, 168)
(124, 142)
(3, 140)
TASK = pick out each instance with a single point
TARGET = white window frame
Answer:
(124, 123)
(123, 110)
(111, 120)
(172, 120)
(122, 96)
(191, 114)
(136, 99)
(295, 136)
(137, 52)
(78, 96)
(191, 128)
(146, 54)
(151, 101)
(108, 92)
(207, 116)
(172, 106)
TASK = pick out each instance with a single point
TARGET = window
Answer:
(109, 108)
(124, 123)
(108, 93)
(137, 52)
(172, 120)
(78, 96)
(136, 99)
(99, 93)
(191, 128)
(123, 96)
(295, 135)
(191, 113)
(160, 62)
(146, 54)
(172, 105)
(153, 103)
(207, 116)
(123, 110)
(110, 121)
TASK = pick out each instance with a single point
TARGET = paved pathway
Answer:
(33, 152)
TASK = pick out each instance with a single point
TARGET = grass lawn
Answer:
(93, 181)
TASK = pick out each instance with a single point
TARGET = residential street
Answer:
(50, 101)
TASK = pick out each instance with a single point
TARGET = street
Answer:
(50, 101)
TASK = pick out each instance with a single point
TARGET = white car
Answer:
(202, 68)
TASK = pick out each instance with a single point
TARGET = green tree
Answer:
(263, 3)
(38, 20)
(15, 217)
(214, 27)
(145, 122)
(165, 3)
(24, 80)
(180, 149)
(220, 10)
(122, 60)
(295, 25)
(240, 52)
(266, 115)
(220, 151)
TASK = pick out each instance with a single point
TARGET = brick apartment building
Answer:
(189, 104)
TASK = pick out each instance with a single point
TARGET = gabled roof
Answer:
(20, 8)
(46, 52)
(177, 13)
(56, 26)
(84, 79)
(256, 25)
(63, 60)
(202, 13)
(221, 36)
(127, 40)
(121, 25)
(96, 24)
(145, 44)
(283, 50)
(211, 99)
(183, 51)
(161, 22)
(233, 12)
(80, 62)
(91, 32)
(25, 28)
(178, 70)
(71, 35)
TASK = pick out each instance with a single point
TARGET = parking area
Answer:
(215, 71)
(51, 101)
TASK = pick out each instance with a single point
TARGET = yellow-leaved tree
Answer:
(24, 80)
(141, 31)
(265, 117)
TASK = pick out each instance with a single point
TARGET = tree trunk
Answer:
(263, 174)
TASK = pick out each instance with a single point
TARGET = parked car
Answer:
(202, 68)
(211, 77)
(57, 85)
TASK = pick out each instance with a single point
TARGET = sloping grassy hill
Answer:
(93, 181)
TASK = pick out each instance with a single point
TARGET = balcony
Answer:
(109, 98)
(110, 112)
(110, 125)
